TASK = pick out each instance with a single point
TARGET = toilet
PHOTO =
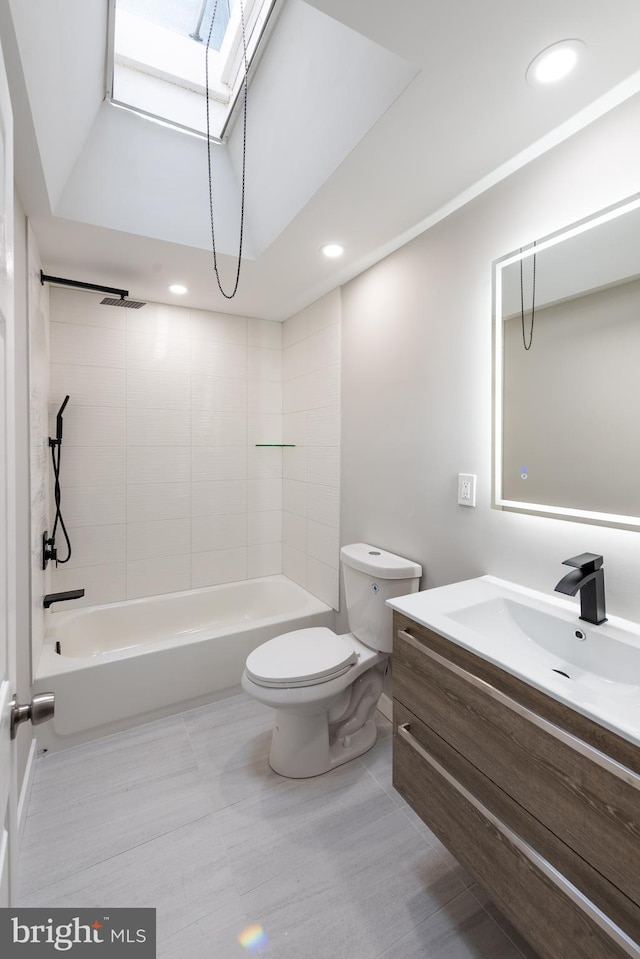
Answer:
(324, 686)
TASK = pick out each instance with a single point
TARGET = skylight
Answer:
(157, 57)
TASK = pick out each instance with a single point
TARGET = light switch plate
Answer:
(467, 489)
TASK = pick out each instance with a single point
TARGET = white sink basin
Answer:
(540, 639)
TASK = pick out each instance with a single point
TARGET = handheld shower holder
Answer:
(49, 551)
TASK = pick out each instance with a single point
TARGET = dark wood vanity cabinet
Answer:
(539, 803)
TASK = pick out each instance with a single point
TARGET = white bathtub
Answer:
(129, 663)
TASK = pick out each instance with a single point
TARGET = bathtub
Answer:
(123, 664)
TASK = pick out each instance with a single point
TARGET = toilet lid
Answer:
(301, 658)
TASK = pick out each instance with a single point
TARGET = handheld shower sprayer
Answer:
(49, 550)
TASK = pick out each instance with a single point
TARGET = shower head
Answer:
(122, 301)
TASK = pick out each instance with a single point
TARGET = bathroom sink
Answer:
(541, 640)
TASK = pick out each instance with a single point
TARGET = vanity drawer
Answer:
(547, 909)
(589, 801)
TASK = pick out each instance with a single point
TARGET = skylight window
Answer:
(157, 57)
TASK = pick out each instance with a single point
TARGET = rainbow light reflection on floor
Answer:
(253, 937)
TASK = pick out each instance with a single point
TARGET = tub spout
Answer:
(62, 597)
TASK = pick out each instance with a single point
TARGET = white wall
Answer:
(311, 407)
(416, 360)
(163, 488)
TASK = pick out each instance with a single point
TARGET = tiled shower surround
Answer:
(164, 487)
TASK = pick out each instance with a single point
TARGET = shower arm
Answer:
(80, 285)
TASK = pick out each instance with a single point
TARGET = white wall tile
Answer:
(323, 387)
(220, 496)
(87, 345)
(264, 396)
(218, 566)
(221, 393)
(160, 351)
(294, 497)
(165, 574)
(156, 501)
(294, 564)
(324, 312)
(86, 386)
(264, 364)
(158, 464)
(324, 582)
(209, 428)
(219, 327)
(210, 463)
(295, 395)
(94, 545)
(265, 333)
(294, 463)
(265, 527)
(295, 428)
(323, 505)
(294, 329)
(295, 360)
(85, 309)
(93, 506)
(159, 319)
(153, 390)
(264, 560)
(265, 462)
(265, 428)
(323, 348)
(323, 543)
(101, 584)
(158, 428)
(218, 359)
(165, 537)
(324, 466)
(323, 427)
(294, 531)
(91, 466)
(264, 494)
(225, 531)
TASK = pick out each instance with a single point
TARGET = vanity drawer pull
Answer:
(567, 888)
(578, 745)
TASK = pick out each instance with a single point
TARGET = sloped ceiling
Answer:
(365, 122)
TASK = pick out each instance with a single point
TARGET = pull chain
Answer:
(228, 296)
(533, 304)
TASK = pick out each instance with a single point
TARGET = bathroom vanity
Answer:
(538, 800)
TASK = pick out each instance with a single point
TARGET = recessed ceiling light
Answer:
(178, 289)
(555, 62)
(332, 250)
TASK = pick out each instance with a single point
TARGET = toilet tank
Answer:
(371, 577)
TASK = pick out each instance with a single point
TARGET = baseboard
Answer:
(385, 705)
(25, 792)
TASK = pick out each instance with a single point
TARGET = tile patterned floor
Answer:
(185, 815)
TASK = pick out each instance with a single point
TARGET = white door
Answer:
(8, 773)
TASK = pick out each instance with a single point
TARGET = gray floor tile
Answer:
(375, 885)
(186, 815)
(460, 930)
(285, 827)
(182, 874)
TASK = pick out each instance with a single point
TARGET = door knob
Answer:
(41, 708)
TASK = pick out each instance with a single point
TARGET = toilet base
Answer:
(300, 744)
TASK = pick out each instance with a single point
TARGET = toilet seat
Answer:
(304, 657)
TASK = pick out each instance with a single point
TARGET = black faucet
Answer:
(61, 597)
(588, 577)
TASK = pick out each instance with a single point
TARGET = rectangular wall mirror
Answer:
(567, 372)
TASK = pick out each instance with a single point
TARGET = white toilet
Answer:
(325, 687)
